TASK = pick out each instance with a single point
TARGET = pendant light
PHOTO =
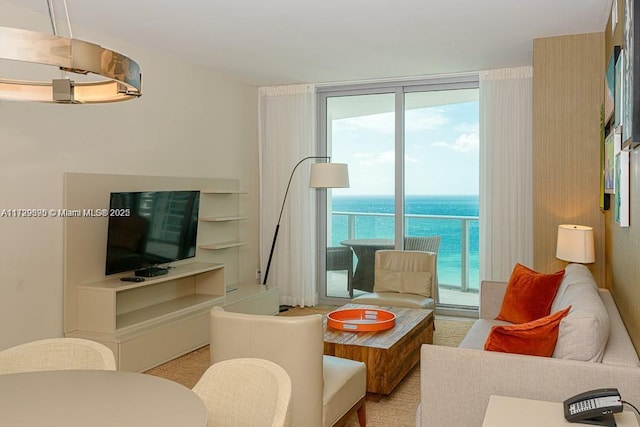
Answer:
(122, 76)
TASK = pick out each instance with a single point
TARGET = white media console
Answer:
(150, 322)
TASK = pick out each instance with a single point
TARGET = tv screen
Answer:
(151, 228)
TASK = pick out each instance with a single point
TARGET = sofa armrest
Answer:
(619, 349)
(456, 383)
(491, 296)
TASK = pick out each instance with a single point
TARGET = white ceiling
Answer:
(270, 42)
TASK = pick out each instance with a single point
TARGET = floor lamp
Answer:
(323, 175)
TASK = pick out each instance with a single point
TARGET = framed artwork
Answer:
(618, 93)
(609, 84)
(609, 163)
(614, 16)
(621, 205)
(631, 83)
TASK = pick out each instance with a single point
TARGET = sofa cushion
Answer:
(573, 274)
(536, 338)
(583, 334)
(529, 295)
(344, 382)
(477, 335)
(395, 299)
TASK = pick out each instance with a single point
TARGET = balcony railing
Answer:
(459, 238)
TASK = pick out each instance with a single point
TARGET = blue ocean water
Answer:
(374, 219)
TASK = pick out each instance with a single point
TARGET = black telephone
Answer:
(594, 407)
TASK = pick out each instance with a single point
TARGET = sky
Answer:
(441, 152)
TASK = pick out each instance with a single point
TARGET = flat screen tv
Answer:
(151, 228)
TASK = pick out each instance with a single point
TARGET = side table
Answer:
(505, 411)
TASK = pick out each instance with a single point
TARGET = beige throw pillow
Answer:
(418, 283)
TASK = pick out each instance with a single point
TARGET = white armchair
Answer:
(56, 353)
(326, 390)
(246, 391)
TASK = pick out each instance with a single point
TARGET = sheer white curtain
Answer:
(506, 171)
(287, 134)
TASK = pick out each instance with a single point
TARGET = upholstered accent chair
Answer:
(56, 354)
(403, 279)
(237, 392)
(326, 390)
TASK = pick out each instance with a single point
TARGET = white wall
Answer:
(189, 122)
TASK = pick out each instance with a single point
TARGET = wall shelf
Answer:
(223, 218)
(222, 192)
(223, 245)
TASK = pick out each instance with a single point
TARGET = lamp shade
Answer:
(329, 175)
(575, 244)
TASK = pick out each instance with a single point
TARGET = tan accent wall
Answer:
(623, 244)
(568, 73)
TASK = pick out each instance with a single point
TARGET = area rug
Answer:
(395, 410)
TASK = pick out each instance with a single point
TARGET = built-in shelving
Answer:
(148, 323)
(112, 305)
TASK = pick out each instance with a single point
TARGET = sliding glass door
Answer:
(413, 156)
(441, 175)
(360, 132)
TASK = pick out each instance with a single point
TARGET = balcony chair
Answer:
(238, 392)
(403, 279)
(56, 354)
(341, 258)
(326, 390)
(422, 243)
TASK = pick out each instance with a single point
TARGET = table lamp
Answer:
(575, 244)
(323, 175)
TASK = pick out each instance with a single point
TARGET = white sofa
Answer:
(593, 351)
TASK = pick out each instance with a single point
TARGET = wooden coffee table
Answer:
(389, 355)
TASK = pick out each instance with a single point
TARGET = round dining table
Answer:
(365, 250)
(82, 398)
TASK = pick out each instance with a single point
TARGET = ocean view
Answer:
(372, 217)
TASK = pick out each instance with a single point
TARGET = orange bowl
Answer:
(361, 320)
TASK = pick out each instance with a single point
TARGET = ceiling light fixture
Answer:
(123, 78)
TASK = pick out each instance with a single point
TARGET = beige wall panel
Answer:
(622, 244)
(568, 75)
(622, 261)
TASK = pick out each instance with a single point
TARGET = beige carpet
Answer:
(396, 410)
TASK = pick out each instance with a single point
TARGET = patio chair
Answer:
(422, 243)
(56, 354)
(245, 391)
(403, 279)
(326, 390)
(341, 258)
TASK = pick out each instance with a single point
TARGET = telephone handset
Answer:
(594, 407)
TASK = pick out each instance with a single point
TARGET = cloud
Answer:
(383, 123)
(415, 120)
(382, 158)
(374, 159)
(425, 119)
(465, 143)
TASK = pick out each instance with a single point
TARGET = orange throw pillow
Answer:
(537, 338)
(529, 295)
